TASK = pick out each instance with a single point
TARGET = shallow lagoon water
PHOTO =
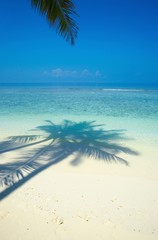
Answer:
(134, 111)
(94, 102)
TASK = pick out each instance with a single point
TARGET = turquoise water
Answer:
(94, 102)
(136, 111)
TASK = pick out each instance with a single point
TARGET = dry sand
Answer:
(93, 200)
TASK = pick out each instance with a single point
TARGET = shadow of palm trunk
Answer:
(30, 168)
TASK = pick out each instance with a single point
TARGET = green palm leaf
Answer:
(58, 13)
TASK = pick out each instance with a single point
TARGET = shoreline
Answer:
(81, 197)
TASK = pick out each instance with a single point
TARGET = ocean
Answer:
(25, 104)
(134, 111)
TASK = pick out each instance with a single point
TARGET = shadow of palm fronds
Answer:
(57, 142)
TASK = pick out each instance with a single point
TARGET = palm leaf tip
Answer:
(59, 13)
(24, 138)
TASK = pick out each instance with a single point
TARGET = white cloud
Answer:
(98, 73)
(86, 73)
(62, 73)
(58, 72)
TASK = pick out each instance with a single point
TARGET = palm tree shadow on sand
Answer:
(55, 144)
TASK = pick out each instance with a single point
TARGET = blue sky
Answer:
(117, 44)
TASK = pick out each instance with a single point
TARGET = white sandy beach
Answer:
(93, 200)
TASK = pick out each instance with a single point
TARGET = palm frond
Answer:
(12, 176)
(99, 154)
(13, 173)
(24, 138)
(59, 13)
